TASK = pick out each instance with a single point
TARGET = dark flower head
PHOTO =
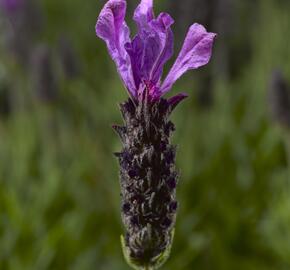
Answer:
(140, 61)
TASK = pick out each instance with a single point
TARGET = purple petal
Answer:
(152, 48)
(143, 51)
(144, 13)
(149, 51)
(135, 50)
(196, 52)
(166, 36)
(112, 28)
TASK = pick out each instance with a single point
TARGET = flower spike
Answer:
(148, 176)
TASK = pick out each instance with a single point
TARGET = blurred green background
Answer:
(59, 187)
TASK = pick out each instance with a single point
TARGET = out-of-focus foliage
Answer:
(59, 191)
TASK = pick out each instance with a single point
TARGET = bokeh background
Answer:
(59, 91)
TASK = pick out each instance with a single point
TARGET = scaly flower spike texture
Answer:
(148, 176)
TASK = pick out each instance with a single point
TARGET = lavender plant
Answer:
(148, 175)
(68, 58)
(23, 23)
(43, 75)
(279, 99)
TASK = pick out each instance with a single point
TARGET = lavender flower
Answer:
(279, 98)
(10, 6)
(44, 75)
(147, 161)
(68, 58)
(22, 25)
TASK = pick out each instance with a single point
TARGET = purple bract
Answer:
(140, 61)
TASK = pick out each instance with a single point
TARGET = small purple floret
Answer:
(140, 60)
(166, 223)
(171, 182)
(126, 207)
(173, 206)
